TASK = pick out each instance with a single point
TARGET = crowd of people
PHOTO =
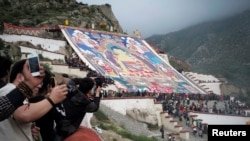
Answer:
(232, 106)
(178, 104)
(37, 108)
(74, 61)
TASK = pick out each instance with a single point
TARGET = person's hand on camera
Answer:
(97, 92)
(32, 81)
(58, 93)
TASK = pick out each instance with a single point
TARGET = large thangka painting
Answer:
(127, 60)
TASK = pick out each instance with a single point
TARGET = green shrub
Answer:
(6, 2)
(103, 126)
(47, 67)
(27, 11)
(16, 13)
(101, 116)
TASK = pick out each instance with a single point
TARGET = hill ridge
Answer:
(220, 48)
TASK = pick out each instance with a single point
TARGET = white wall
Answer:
(47, 44)
(203, 77)
(208, 86)
(221, 119)
(65, 69)
(215, 87)
(44, 53)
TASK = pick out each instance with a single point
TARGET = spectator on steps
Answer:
(162, 131)
(194, 131)
(200, 132)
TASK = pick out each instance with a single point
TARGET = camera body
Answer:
(72, 90)
(99, 81)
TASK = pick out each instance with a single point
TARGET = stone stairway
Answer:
(191, 136)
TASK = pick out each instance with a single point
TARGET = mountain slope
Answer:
(220, 48)
(40, 13)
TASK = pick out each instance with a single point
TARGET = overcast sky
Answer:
(164, 16)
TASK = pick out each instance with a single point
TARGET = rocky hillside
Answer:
(38, 13)
(220, 48)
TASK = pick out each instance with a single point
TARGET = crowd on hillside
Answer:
(179, 107)
(230, 107)
(194, 102)
(180, 104)
(199, 103)
(177, 104)
(74, 61)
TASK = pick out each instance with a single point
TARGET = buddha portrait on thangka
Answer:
(126, 63)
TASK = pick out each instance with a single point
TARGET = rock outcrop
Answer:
(142, 115)
(34, 13)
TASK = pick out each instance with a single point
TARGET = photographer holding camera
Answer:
(84, 96)
(68, 114)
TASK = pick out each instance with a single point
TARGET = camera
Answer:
(99, 81)
(71, 88)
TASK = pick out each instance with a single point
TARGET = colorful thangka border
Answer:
(128, 60)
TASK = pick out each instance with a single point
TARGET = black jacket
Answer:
(76, 106)
(67, 115)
